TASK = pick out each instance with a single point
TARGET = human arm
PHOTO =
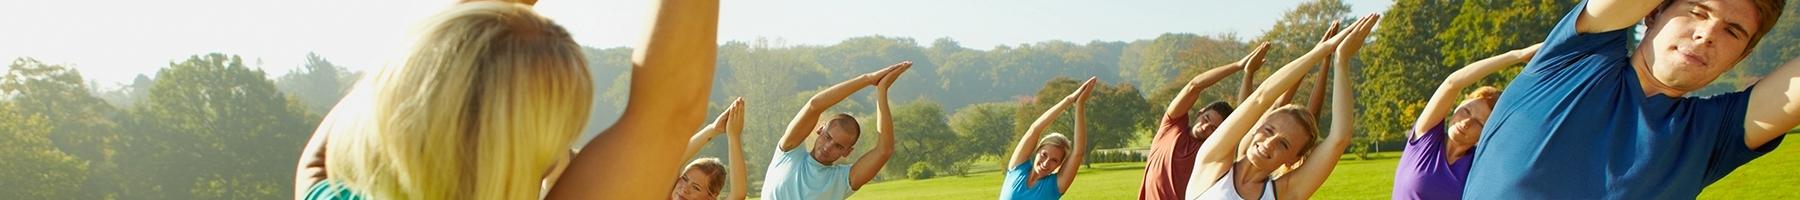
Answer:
(870, 163)
(809, 114)
(671, 77)
(1774, 106)
(1610, 15)
(1185, 99)
(1444, 99)
(1072, 166)
(1306, 179)
(1022, 151)
(740, 181)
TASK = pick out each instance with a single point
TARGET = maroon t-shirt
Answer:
(1171, 160)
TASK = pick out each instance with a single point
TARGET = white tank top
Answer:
(1225, 189)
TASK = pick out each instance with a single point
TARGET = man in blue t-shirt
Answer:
(816, 173)
(1590, 118)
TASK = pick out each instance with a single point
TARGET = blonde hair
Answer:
(1307, 123)
(1055, 139)
(488, 97)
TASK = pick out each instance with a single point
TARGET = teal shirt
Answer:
(795, 175)
(324, 190)
(1015, 187)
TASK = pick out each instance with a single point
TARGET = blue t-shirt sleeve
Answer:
(1565, 44)
(1728, 151)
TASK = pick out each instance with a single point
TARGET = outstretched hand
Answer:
(1079, 96)
(735, 126)
(891, 73)
(1254, 60)
(1087, 88)
(1351, 39)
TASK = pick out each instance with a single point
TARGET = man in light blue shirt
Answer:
(799, 173)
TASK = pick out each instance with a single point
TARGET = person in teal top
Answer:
(326, 191)
(803, 173)
(1044, 168)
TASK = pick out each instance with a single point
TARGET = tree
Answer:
(81, 125)
(35, 169)
(319, 84)
(1474, 33)
(80, 121)
(985, 129)
(1208, 52)
(213, 128)
(1299, 29)
(920, 131)
(1395, 65)
(1115, 114)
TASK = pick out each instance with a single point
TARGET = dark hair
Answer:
(1224, 109)
(846, 122)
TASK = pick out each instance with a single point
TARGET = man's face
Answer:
(833, 143)
(1691, 42)
(1205, 124)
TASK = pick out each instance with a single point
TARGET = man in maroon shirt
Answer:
(1176, 143)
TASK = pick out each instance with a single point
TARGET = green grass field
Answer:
(1773, 176)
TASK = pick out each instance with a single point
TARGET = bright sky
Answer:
(112, 41)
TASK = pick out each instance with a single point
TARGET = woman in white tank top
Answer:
(1283, 136)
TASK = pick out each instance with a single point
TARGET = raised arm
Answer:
(1219, 151)
(809, 114)
(740, 181)
(1316, 101)
(1609, 15)
(670, 79)
(1022, 152)
(870, 163)
(1307, 178)
(1249, 82)
(1072, 166)
(706, 134)
(1185, 99)
(1774, 106)
(1444, 99)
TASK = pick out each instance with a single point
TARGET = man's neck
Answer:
(1647, 81)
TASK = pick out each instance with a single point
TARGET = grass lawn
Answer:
(1771, 177)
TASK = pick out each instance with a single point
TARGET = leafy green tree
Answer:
(1115, 114)
(35, 169)
(213, 128)
(1397, 72)
(1474, 33)
(82, 125)
(922, 136)
(80, 120)
(985, 129)
(319, 84)
(1299, 29)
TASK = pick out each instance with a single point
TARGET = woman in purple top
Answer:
(1436, 161)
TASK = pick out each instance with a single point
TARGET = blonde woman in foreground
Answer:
(489, 100)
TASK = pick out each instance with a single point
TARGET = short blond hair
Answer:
(1055, 139)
